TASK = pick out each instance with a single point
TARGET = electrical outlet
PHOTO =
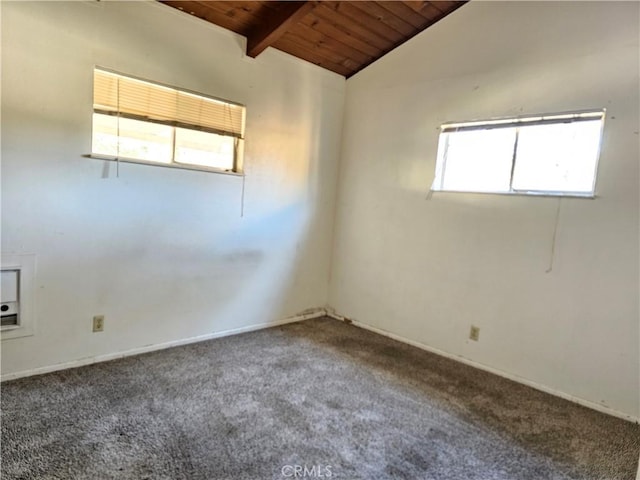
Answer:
(98, 323)
(474, 333)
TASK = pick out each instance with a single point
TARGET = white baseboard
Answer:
(308, 314)
(315, 313)
(543, 388)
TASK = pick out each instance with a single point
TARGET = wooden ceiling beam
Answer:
(343, 36)
(276, 25)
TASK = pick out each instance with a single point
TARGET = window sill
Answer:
(179, 166)
(588, 196)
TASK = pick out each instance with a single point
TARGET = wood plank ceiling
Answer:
(341, 36)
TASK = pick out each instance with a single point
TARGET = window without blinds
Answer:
(538, 155)
(140, 121)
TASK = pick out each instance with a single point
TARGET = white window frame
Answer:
(237, 168)
(517, 122)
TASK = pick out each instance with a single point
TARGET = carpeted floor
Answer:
(342, 402)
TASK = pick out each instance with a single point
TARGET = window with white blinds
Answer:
(140, 121)
(554, 154)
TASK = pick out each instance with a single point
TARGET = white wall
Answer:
(426, 269)
(164, 254)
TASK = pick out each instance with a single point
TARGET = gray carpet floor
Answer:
(342, 402)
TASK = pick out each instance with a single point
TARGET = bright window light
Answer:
(139, 121)
(202, 148)
(479, 160)
(541, 155)
(132, 138)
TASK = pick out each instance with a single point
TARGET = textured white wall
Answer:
(164, 254)
(426, 269)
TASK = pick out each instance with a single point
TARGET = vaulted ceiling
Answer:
(341, 36)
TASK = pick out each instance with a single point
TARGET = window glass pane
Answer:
(478, 160)
(135, 139)
(560, 157)
(203, 148)
(105, 134)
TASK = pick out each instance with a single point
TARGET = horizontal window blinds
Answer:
(119, 95)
